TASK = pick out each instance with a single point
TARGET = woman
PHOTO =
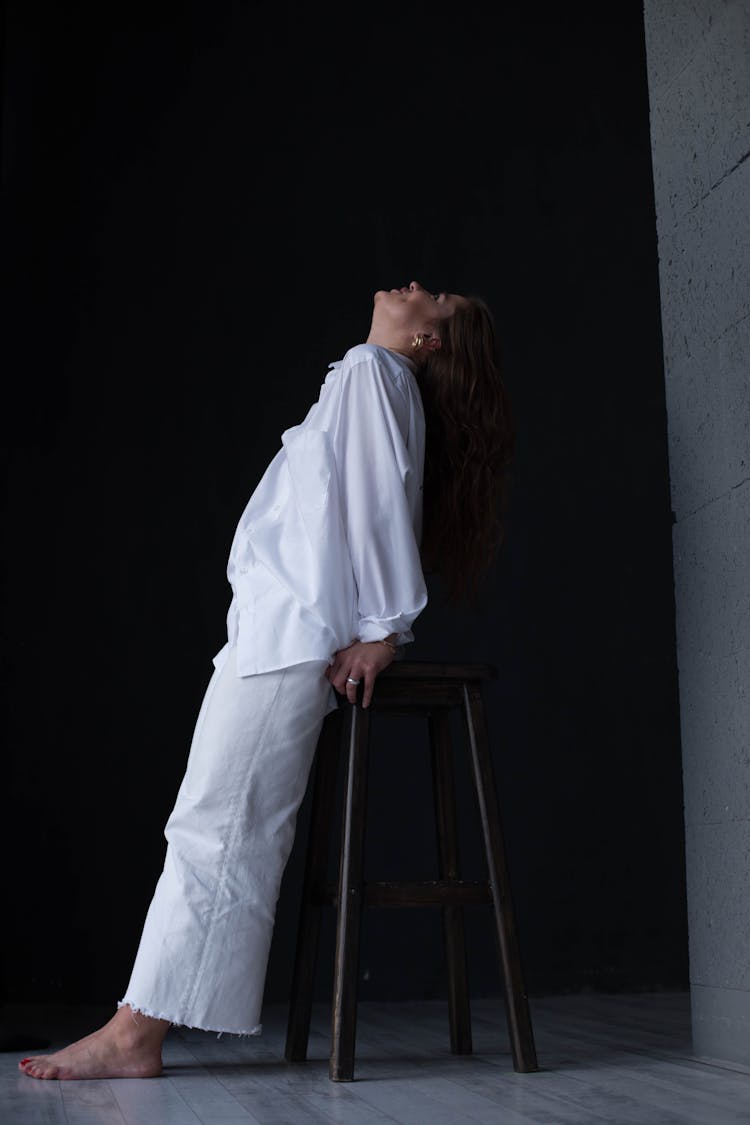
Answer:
(327, 579)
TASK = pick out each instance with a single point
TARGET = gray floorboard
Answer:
(90, 1103)
(604, 1060)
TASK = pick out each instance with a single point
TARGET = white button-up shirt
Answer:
(327, 550)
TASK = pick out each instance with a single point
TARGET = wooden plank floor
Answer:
(615, 1059)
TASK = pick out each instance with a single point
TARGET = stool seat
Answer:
(432, 689)
(434, 670)
(419, 687)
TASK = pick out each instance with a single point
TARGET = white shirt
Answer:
(327, 550)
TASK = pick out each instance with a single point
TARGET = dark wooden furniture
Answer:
(405, 688)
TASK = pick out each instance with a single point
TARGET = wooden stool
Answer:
(405, 688)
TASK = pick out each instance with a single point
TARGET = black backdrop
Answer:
(199, 201)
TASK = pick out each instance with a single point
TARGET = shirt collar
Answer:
(336, 363)
(402, 358)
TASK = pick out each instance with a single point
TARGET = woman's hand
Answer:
(362, 660)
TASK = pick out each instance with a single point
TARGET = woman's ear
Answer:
(432, 343)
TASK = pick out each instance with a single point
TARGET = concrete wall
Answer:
(699, 86)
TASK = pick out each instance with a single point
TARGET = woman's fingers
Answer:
(339, 674)
(352, 687)
(364, 674)
(369, 686)
(358, 664)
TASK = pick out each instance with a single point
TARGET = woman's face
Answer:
(412, 308)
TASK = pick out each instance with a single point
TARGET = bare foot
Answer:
(129, 1046)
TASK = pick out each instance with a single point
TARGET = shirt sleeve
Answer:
(373, 463)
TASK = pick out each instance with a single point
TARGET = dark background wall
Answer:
(199, 202)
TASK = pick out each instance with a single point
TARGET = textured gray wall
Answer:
(699, 87)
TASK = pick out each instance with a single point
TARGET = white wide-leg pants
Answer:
(204, 950)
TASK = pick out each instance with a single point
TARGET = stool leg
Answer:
(350, 897)
(459, 1011)
(517, 1005)
(318, 846)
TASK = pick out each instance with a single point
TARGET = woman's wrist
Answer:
(388, 642)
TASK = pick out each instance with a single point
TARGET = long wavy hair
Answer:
(470, 441)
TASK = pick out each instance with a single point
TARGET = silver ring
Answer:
(349, 680)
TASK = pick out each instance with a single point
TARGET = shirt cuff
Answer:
(377, 630)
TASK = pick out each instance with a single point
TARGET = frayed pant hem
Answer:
(181, 1023)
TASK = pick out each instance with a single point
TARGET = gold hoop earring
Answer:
(418, 340)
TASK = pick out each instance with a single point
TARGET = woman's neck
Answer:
(410, 360)
(386, 340)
